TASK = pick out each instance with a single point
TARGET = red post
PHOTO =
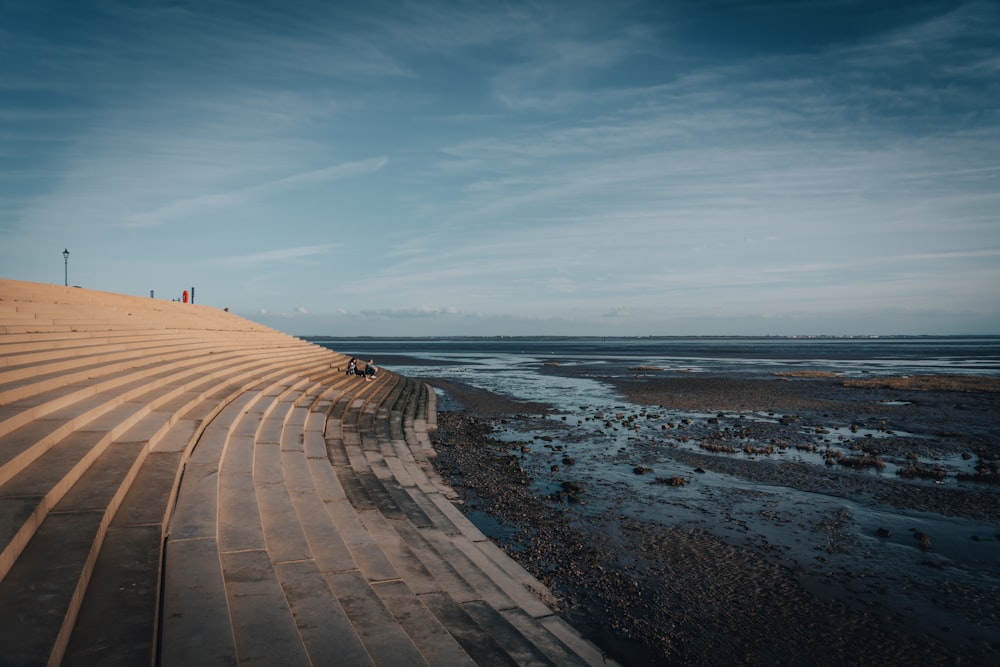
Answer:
(185, 296)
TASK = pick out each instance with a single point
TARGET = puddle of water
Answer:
(445, 401)
(954, 541)
(489, 526)
(625, 423)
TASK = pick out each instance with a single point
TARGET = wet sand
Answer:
(754, 579)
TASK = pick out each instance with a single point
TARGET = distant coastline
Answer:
(584, 337)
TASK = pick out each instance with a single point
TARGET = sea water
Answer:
(513, 365)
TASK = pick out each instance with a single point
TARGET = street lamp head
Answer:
(65, 254)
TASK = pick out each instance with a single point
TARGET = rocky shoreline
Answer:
(657, 591)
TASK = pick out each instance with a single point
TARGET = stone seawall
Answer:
(179, 485)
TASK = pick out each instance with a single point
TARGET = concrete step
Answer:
(196, 626)
(111, 418)
(127, 574)
(80, 350)
(12, 345)
(41, 587)
(34, 492)
(478, 643)
(39, 399)
(180, 485)
(35, 425)
(20, 447)
(470, 574)
(256, 509)
(51, 356)
(382, 636)
(84, 512)
(100, 490)
(22, 381)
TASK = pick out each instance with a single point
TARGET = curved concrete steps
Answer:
(181, 486)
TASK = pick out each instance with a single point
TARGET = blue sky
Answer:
(467, 168)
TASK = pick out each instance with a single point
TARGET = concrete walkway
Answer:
(180, 486)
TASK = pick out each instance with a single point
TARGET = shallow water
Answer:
(733, 356)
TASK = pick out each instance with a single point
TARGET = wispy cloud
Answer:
(966, 254)
(279, 255)
(242, 196)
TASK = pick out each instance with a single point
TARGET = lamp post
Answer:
(66, 268)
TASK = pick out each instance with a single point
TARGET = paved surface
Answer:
(180, 486)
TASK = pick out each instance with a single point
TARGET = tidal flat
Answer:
(796, 519)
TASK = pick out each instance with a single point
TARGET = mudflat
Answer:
(863, 550)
